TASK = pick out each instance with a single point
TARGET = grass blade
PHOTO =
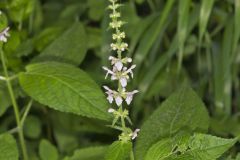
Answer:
(205, 11)
(148, 40)
(236, 28)
(222, 72)
(183, 18)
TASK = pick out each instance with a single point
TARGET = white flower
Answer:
(116, 73)
(119, 35)
(123, 46)
(4, 34)
(118, 100)
(111, 110)
(116, 24)
(129, 70)
(123, 81)
(113, 46)
(2, 78)
(115, 15)
(118, 65)
(129, 96)
(113, 95)
(135, 134)
(110, 94)
(108, 72)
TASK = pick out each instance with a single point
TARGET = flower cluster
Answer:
(121, 72)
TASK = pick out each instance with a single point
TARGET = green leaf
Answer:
(19, 10)
(32, 127)
(197, 147)
(47, 151)
(70, 47)
(8, 147)
(47, 36)
(119, 151)
(96, 9)
(160, 150)
(91, 153)
(207, 147)
(139, 1)
(65, 88)
(3, 22)
(5, 100)
(183, 109)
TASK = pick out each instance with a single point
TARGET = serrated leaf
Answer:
(205, 147)
(70, 47)
(119, 151)
(8, 147)
(198, 147)
(182, 109)
(160, 150)
(65, 88)
(91, 153)
(47, 150)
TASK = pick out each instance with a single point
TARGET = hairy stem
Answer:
(15, 107)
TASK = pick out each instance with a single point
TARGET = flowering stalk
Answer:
(4, 34)
(121, 73)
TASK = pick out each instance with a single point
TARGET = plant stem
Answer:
(26, 112)
(122, 119)
(131, 155)
(15, 106)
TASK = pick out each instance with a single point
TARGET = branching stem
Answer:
(15, 107)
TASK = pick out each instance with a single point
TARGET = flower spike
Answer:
(120, 71)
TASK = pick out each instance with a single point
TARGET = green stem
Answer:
(132, 155)
(122, 119)
(15, 106)
(26, 112)
(151, 4)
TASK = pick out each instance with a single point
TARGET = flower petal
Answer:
(135, 134)
(118, 100)
(129, 99)
(119, 65)
(110, 98)
(111, 110)
(123, 82)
